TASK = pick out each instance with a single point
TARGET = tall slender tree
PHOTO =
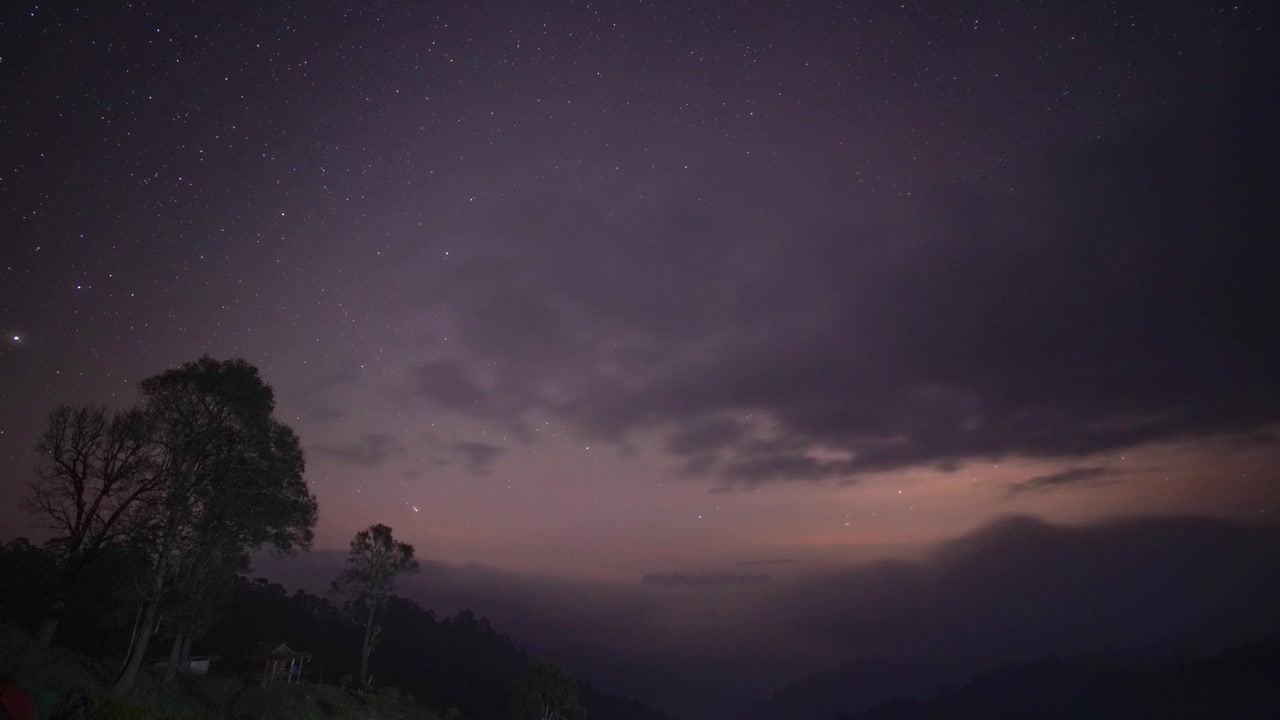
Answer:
(376, 558)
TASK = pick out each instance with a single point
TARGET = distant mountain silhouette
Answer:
(858, 684)
(1241, 684)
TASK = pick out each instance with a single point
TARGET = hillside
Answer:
(423, 667)
(1238, 684)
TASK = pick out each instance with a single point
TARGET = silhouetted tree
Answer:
(546, 692)
(376, 558)
(94, 469)
(228, 476)
(30, 581)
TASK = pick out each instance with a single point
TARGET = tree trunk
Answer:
(184, 661)
(133, 636)
(130, 673)
(50, 626)
(139, 650)
(364, 656)
(175, 657)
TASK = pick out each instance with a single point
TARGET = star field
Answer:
(603, 289)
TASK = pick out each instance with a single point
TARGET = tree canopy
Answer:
(547, 692)
(194, 477)
(376, 558)
(95, 469)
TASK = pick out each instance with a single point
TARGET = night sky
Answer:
(584, 292)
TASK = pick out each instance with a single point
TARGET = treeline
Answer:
(154, 512)
(459, 662)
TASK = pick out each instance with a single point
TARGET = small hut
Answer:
(279, 662)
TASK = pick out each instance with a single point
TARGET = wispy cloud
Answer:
(768, 561)
(702, 580)
(370, 450)
(479, 455)
(1071, 477)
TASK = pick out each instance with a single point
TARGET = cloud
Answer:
(769, 561)
(783, 466)
(702, 580)
(1022, 588)
(704, 435)
(446, 383)
(370, 450)
(1087, 476)
(1079, 312)
(1018, 588)
(479, 455)
(347, 374)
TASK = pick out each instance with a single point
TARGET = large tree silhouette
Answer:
(375, 560)
(228, 480)
(94, 470)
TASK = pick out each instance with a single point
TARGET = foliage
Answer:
(547, 692)
(453, 662)
(375, 559)
(78, 704)
(231, 475)
(459, 664)
(31, 572)
(95, 620)
(228, 479)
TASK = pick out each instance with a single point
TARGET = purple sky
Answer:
(596, 290)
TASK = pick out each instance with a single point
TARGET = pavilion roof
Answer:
(277, 650)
